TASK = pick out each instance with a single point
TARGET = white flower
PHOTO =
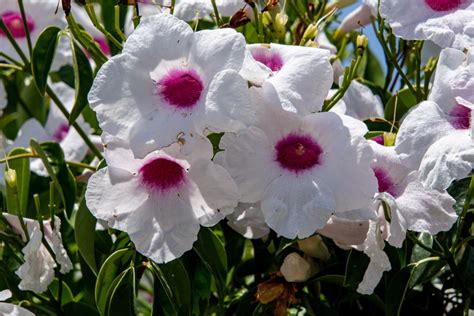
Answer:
(296, 268)
(448, 23)
(448, 113)
(247, 219)
(162, 199)
(37, 272)
(8, 309)
(356, 19)
(301, 169)
(359, 102)
(412, 205)
(170, 84)
(39, 15)
(190, 9)
(302, 76)
(56, 129)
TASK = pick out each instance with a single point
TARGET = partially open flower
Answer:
(295, 268)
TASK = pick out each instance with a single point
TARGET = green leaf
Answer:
(201, 289)
(405, 101)
(212, 253)
(115, 264)
(374, 71)
(84, 232)
(79, 309)
(83, 78)
(43, 55)
(174, 279)
(399, 286)
(357, 263)
(121, 294)
(66, 296)
(17, 198)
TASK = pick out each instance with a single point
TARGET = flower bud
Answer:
(389, 139)
(310, 32)
(10, 178)
(295, 268)
(362, 42)
(339, 4)
(314, 247)
(281, 19)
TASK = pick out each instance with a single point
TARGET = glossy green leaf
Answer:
(357, 263)
(17, 198)
(43, 55)
(84, 232)
(212, 253)
(174, 279)
(79, 309)
(66, 296)
(112, 267)
(83, 79)
(121, 294)
(201, 289)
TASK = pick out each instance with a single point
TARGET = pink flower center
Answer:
(104, 46)
(378, 139)
(61, 132)
(181, 88)
(14, 24)
(384, 182)
(297, 152)
(161, 174)
(443, 5)
(460, 117)
(269, 58)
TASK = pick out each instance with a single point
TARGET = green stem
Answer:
(71, 163)
(91, 13)
(25, 26)
(12, 40)
(76, 126)
(12, 60)
(10, 66)
(172, 6)
(216, 13)
(117, 22)
(425, 247)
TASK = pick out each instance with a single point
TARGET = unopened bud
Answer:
(281, 19)
(295, 268)
(10, 178)
(362, 42)
(339, 4)
(314, 247)
(389, 139)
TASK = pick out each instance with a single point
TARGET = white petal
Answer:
(297, 206)
(361, 103)
(253, 71)
(356, 19)
(54, 239)
(217, 49)
(345, 232)
(295, 268)
(248, 220)
(5, 295)
(14, 310)
(379, 263)
(448, 159)
(421, 127)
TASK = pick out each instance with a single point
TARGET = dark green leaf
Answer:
(201, 289)
(43, 55)
(357, 263)
(17, 198)
(121, 294)
(175, 282)
(79, 309)
(84, 231)
(374, 71)
(66, 296)
(83, 78)
(212, 252)
(115, 264)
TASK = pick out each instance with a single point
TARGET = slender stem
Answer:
(117, 22)
(257, 23)
(172, 6)
(25, 26)
(425, 247)
(10, 66)
(12, 40)
(79, 130)
(216, 12)
(91, 13)
(12, 60)
(71, 163)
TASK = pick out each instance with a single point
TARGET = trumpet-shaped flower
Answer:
(302, 76)
(448, 113)
(162, 199)
(448, 23)
(170, 84)
(37, 272)
(301, 169)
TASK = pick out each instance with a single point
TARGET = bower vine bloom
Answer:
(39, 15)
(170, 84)
(56, 129)
(302, 76)
(162, 199)
(300, 169)
(37, 272)
(436, 135)
(448, 23)
(11, 309)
